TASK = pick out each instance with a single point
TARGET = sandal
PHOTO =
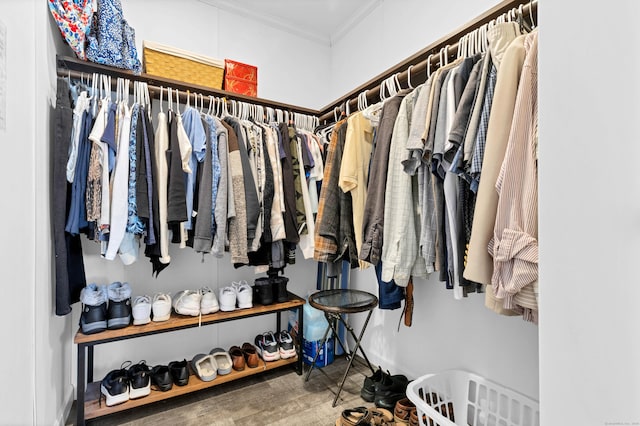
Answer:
(354, 417)
(382, 417)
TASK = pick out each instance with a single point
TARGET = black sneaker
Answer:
(119, 314)
(368, 390)
(139, 380)
(286, 347)
(179, 372)
(390, 390)
(267, 346)
(115, 387)
(161, 377)
(93, 318)
(263, 291)
(279, 285)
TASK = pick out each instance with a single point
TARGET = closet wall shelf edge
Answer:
(67, 66)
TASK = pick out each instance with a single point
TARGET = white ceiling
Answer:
(322, 21)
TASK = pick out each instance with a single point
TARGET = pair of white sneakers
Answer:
(239, 294)
(143, 306)
(196, 302)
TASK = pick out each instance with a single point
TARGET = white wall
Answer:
(589, 214)
(392, 32)
(37, 349)
(290, 70)
(446, 333)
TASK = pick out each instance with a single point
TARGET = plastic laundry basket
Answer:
(457, 397)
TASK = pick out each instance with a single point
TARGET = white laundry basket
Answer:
(457, 397)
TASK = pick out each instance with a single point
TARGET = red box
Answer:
(240, 78)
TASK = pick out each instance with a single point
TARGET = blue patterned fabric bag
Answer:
(111, 41)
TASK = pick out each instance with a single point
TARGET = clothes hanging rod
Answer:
(418, 61)
(76, 68)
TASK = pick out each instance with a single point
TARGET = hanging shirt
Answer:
(223, 196)
(515, 240)
(354, 170)
(328, 218)
(120, 193)
(82, 105)
(195, 133)
(374, 208)
(400, 258)
(161, 155)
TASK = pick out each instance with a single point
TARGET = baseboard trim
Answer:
(66, 408)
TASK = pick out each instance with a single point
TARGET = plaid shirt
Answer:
(481, 136)
(327, 220)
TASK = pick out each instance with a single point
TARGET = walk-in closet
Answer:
(319, 212)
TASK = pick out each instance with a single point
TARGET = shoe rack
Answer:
(88, 391)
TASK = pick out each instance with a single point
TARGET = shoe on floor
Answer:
(244, 294)
(115, 387)
(141, 310)
(179, 372)
(355, 416)
(205, 367)
(237, 356)
(390, 390)
(187, 302)
(223, 359)
(161, 307)
(368, 390)
(250, 355)
(267, 346)
(286, 347)
(139, 376)
(402, 411)
(227, 299)
(93, 318)
(119, 310)
(209, 302)
(161, 377)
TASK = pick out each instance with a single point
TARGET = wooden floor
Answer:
(277, 397)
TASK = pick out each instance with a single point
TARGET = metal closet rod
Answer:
(418, 62)
(75, 68)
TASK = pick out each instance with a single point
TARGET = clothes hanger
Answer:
(409, 77)
(533, 23)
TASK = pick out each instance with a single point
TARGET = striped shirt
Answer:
(514, 245)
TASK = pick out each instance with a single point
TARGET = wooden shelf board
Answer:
(178, 322)
(93, 408)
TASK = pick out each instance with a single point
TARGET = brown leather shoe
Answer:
(250, 355)
(402, 411)
(237, 357)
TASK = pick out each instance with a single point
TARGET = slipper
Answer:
(205, 367)
(223, 360)
(354, 417)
